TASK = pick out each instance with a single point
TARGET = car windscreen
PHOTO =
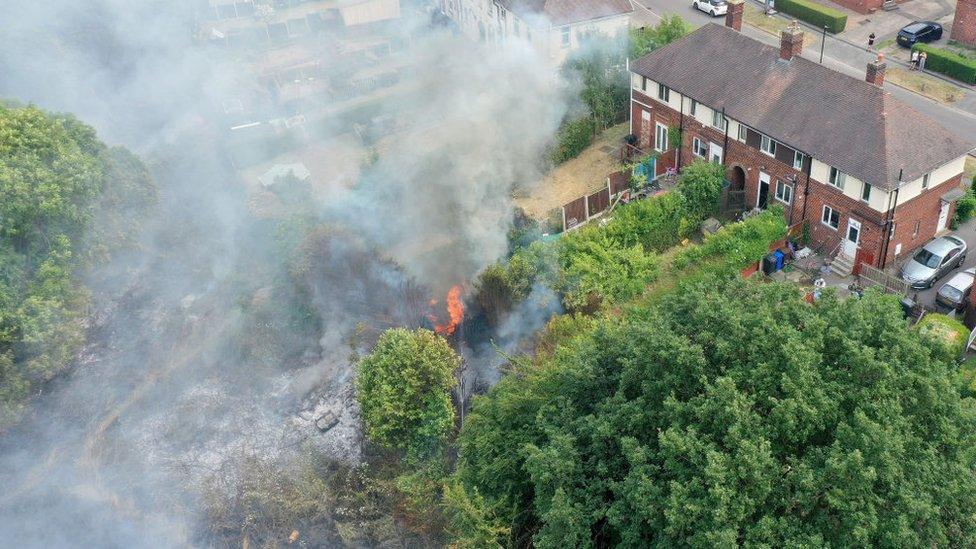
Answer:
(951, 294)
(927, 258)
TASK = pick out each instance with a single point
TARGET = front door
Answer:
(943, 217)
(853, 237)
(762, 201)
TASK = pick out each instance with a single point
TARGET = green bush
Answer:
(948, 63)
(736, 245)
(701, 185)
(965, 208)
(966, 377)
(573, 138)
(657, 223)
(815, 14)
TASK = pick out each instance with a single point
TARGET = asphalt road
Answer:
(838, 55)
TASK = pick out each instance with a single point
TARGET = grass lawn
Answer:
(773, 25)
(970, 170)
(932, 88)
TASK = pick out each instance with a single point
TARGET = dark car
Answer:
(919, 31)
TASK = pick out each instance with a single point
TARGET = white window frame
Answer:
(694, 107)
(565, 37)
(797, 160)
(865, 192)
(925, 181)
(743, 132)
(665, 91)
(660, 137)
(767, 145)
(825, 219)
(784, 192)
(918, 226)
(698, 148)
(836, 178)
(718, 117)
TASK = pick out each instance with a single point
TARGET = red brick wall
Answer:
(923, 208)
(964, 23)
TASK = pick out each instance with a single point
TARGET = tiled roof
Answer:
(564, 12)
(843, 121)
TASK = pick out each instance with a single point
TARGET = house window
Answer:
(784, 192)
(564, 33)
(743, 131)
(661, 137)
(643, 83)
(694, 107)
(925, 181)
(837, 178)
(830, 217)
(718, 120)
(918, 225)
(698, 147)
(663, 93)
(866, 192)
(767, 146)
(797, 160)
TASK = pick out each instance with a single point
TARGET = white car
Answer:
(711, 7)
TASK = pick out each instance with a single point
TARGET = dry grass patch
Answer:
(773, 25)
(918, 82)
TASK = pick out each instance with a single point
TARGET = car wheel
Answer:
(712, 13)
(961, 261)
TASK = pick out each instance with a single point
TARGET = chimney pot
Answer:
(876, 71)
(733, 14)
(791, 41)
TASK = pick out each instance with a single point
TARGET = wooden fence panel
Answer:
(619, 182)
(598, 201)
(871, 276)
(574, 213)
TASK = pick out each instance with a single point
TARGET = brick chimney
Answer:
(791, 41)
(733, 14)
(964, 22)
(876, 71)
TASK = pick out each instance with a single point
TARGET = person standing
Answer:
(921, 60)
(914, 64)
(871, 38)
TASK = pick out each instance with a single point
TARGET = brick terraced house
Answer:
(872, 177)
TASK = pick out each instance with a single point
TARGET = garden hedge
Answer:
(817, 15)
(949, 63)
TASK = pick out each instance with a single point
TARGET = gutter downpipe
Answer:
(891, 219)
(681, 132)
(806, 188)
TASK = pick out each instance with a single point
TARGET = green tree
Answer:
(55, 178)
(701, 184)
(404, 389)
(730, 415)
(647, 39)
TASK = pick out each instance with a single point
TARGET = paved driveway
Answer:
(967, 232)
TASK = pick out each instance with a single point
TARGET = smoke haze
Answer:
(175, 384)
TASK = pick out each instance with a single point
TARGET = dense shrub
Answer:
(737, 245)
(701, 185)
(599, 269)
(573, 137)
(965, 208)
(816, 14)
(949, 63)
(657, 223)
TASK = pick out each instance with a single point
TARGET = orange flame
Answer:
(455, 309)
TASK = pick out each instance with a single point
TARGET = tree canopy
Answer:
(725, 415)
(404, 389)
(55, 178)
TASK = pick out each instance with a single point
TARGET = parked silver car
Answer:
(933, 261)
(954, 294)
